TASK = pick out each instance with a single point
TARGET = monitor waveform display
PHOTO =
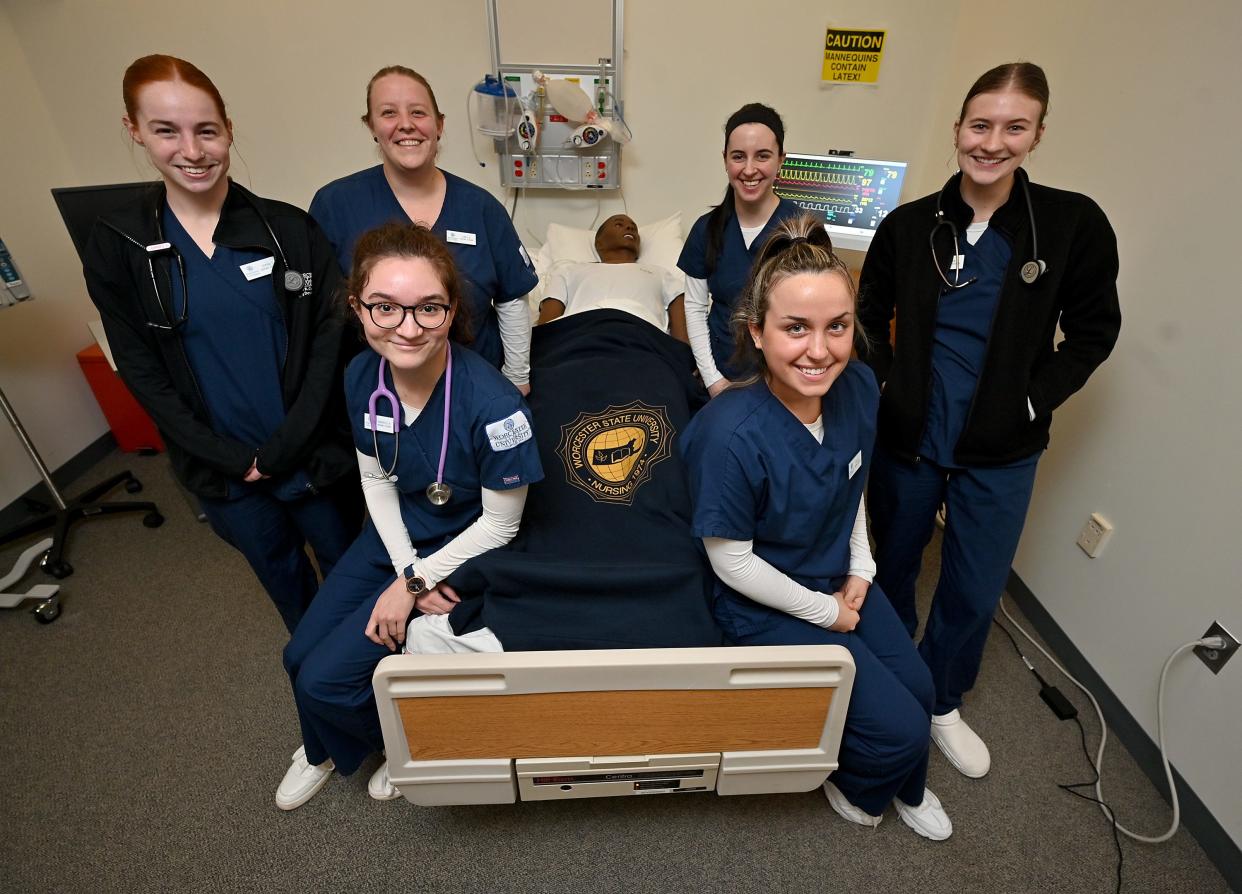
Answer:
(851, 195)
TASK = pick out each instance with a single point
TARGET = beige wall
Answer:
(1147, 443)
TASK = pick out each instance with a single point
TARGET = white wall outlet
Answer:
(1094, 535)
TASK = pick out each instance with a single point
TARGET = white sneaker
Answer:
(380, 787)
(846, 810)
(302, 780)
(928, 818)
(960, 744)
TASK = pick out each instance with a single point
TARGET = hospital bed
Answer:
(496, 728)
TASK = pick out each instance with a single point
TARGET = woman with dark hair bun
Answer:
(723, 244)
(976, 371)
(218, 306)
(446, 451)
(777, 465)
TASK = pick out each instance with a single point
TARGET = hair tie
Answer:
(794, 240)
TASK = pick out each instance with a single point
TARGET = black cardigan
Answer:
(1078, 291)
(153, 363)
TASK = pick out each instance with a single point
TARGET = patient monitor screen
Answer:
(851, 195)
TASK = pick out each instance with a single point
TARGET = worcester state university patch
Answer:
(610, 454)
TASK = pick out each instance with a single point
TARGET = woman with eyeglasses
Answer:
(446, 451)
(218, 309)
(980, 276)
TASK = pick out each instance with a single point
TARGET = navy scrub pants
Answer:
(272, 535)
(986, 508)
(330, 661)
(888, 725)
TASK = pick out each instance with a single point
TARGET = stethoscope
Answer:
(1031, 270)
(293, 280)
(438, 492)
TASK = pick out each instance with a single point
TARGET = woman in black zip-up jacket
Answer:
(978, 276)
(218, 308)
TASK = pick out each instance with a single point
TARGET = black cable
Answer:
(513, 211)
(1064, 711)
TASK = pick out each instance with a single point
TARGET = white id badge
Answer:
(382, 423)
(958, 262)
(855, 463)
(255, 269)
(460, 238)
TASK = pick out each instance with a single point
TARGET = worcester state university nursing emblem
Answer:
(610, 454)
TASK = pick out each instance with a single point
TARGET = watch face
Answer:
(415, 585)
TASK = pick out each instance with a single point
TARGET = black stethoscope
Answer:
(1031, 270)
(293, 280)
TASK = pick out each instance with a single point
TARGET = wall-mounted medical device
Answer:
(851, 195)
(15, 288)
(554, 126)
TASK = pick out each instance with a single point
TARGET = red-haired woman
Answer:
(218, 309)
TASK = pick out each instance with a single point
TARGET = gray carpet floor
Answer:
(143, 734)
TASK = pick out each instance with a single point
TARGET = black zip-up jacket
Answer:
(153, 364)
(1078, 291)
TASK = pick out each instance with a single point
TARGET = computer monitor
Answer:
(81, 206)
(852, 195)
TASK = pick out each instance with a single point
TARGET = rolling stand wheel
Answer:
(133, 486)
(59, 569)
(152, 520)
(48, 610)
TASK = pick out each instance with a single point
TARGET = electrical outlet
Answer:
(1215, 659)
(1094, 535)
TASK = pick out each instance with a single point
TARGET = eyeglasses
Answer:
(387, 315)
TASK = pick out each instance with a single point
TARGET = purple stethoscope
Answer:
(438, 492)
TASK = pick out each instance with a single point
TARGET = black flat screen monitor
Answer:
(851, 195)
(81, 206)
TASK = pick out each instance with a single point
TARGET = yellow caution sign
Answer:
(852, 56)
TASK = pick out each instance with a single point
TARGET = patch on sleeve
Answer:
(507, 433)
(526, 258)
(511, 479)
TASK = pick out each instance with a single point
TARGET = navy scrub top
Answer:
(491, 444)
(959, 344)
(729, 278)
(490, 257)
(236, 342)
(758, 474)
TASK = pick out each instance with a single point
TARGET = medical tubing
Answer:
(1099, 756)
(470, 124)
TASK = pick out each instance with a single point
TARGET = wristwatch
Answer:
(414, 584)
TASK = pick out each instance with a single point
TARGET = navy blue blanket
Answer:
(604, 557)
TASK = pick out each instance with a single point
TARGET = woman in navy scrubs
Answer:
(975, 373)
(442, 485)
(777, 465)
(723, 244)
(406, 186)
(218, 309)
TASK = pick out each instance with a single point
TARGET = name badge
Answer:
(382, 423)
(255, 269)
(459, 237)
(958, 262)
(855, 463)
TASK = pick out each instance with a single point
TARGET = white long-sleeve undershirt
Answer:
(502, 515)
(513, 318)
(697, 305)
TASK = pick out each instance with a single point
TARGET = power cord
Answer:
(1211, 642)
(1064, 709)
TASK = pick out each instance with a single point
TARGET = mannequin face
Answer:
(618, 233)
